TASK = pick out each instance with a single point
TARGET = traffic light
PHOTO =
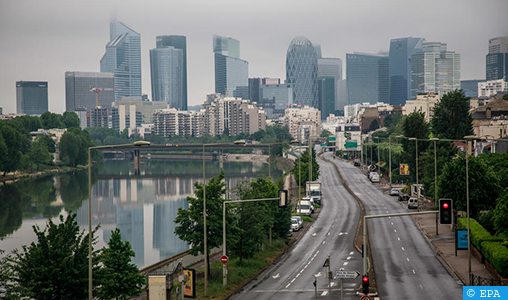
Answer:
(283, 198)
(365, 284)
(445, 211)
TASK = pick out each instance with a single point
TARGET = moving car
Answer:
(412, 203)
(394, 192)
(403, 196)
(296, 223)
(305, 208)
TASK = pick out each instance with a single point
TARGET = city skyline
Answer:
(41, 41)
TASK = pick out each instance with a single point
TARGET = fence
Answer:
(481, 281)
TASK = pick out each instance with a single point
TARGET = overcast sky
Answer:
(41, 40)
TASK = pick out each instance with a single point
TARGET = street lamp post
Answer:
(378, 158)
(416, 159)
(435, 179)
(138, 143)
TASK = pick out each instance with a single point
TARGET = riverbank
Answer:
(17, 176)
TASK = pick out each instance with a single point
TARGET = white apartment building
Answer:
(169, 122)
(132, 112)
(303, 122)
(424, 103)
(491, 87)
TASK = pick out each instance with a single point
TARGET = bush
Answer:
(307, 219)
(478, 233)
(497, 255)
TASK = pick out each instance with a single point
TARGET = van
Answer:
(374, 177)
(305, 208)
(412, 203)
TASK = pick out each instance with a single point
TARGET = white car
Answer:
(412, 203)
(394, 192)
(296, 223)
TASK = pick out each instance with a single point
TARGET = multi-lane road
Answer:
(405, 266)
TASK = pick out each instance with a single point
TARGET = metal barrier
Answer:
(481, 281)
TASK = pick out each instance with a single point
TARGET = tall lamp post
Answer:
(138, 143)
(378, 158)
(205, 242)
(416, 159)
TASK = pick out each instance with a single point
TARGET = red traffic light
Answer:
(365, 278)
(445, 205)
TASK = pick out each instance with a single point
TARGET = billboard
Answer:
(404, 169)
(189, 289)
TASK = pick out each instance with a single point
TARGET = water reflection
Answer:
(142, 206)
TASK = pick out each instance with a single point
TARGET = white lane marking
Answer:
(395, 230)
(407, 258)
(351, 253)
(324, 293)
(331, 284)
(328, 233)
(318, 274)
(276, 276)
(398, 238)
(403, 249)
(288, 285)
(324, 242)
(392, 223)
(293, 280)
(314, 234)
(345, 264)
(421, 286)
(348, 258)
(414, 272)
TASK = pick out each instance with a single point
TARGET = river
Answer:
(142, 206)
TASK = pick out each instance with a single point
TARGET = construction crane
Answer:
(97, 90)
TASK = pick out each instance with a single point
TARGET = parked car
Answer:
(403, 197)
(412, 203)
(296, 223)
(394, 192)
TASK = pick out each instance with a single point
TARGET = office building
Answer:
(329, 68)
(367, 78)
(400, 68)
(275, 99)
(497, 59)
(470, 87)
(123, 58)
(326, 94)
(177, 42)
(31, 97)
(77, 90)
(166, 68)
(435, 70)
(302, 71)
(97, 117)
(231, 72)
(255, 83)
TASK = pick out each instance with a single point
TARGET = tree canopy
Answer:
(452, 119)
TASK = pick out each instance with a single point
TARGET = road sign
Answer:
(346, 274)
(224, 259)
(365, 298)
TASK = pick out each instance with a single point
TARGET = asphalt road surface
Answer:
(404, 264)
(332, 233)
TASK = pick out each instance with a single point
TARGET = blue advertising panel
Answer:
(482, 292)
(461, 237)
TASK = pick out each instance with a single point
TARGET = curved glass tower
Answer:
(302, 71)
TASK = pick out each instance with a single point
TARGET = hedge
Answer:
(497, 255)
(490, 246)
(478, 233)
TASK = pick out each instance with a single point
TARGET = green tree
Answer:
(68, 146)
(51, 120)
(452, 119)
(498, 162)
(39, 153)
(374, 125)
(484, 186)
(505, 97)
(12, 139)
(325, 133)
(415, 126)
(304, 167)
(56, 266)
(121, 278)
(70, 120)
(500, 212)
(190, 221)
(8, 289)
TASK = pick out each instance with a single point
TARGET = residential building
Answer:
(367, 78)
(401, 50)
(491, 121)
(302, 71)
(470, 87)
(177, 42)
(424, 103)
(31, 97)
(166, 67)
(170, 121)
(497, 60)
(123, 58)
(275, 99)
(133, 112)
(434, 69)
(79, 97)
(231, 72)
(492, 87)
(303, 122)
(97, 117)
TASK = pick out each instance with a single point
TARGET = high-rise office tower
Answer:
(329, 74)
(367, 78)
(254, 87)
(434, 69)
(123, 58)
(400, 68)
(166, 67)
(31, 97)
(302, 71)
(231, 72)
(77, 90)
(497, 59)
(178, 42)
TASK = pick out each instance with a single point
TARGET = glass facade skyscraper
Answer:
(178, 42)
(496, 61)
(231, 72)
(302, 71)
(31, 97)
(123, 58)
(329, 68)
(400, 68)
(367, 78)
(166, 67)
(77, 90)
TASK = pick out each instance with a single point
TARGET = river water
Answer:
(142, 206)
